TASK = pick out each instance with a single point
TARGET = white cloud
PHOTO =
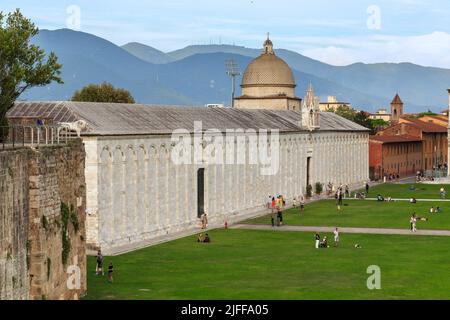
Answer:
(428, 50)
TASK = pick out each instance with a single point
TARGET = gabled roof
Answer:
(395, 139)
(397, 100)
(135, 119)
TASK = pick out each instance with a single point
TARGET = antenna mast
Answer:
(233, 72)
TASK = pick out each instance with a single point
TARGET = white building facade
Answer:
(137, 195)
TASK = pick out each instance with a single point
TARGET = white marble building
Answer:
(137, 195)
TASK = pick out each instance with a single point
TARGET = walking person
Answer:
(269, 202)
(272, 215)
(347, 191)
(442, 193)
(317, 239)
(336, 237)
(99, 266)
(279, 217)
(204, 219)
(110, 272)
(302, 204)
(413, 222)
(367, 188)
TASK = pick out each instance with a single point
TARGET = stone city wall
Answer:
(43, 223)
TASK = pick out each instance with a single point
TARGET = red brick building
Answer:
(397, 154)
(433, 136)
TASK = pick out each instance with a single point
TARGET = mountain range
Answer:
(195, 75)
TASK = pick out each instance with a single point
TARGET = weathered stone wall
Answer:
(14, 280)
(46, 178)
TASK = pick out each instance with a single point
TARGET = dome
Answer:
(268, 70)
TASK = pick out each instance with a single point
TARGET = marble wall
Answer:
(136, 193)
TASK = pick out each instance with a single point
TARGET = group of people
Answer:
(344, 190)
(205, 239)
(323, 243)
(300, 203)
(392, 177)
(99, 267)
(276, 206)
(435, 210)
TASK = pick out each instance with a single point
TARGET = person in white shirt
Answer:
(336, 237)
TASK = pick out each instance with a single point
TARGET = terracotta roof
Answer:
(138, 119)
(427, 127)
(397, 100)
(395, 139)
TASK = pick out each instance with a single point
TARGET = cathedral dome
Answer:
(268, 70)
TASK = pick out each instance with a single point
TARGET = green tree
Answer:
(360, 117)
(22, 65)
(104, 92)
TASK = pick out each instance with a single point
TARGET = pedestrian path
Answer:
(444, 233)
(398, 199)
(407, 200)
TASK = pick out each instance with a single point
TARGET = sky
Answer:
(338, 32)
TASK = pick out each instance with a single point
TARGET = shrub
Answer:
(319, 188)
(309, 191)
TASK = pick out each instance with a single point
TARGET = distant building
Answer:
(333, 104)
(215, 105)
(391, 154)
(381, 114)
(434, 137)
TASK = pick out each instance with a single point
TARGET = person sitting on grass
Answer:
(324, 243)
(413, 200)
(357, 246)
(380, 198)
(207, 239)
(432, 210)
(200, 238)
(438, 210)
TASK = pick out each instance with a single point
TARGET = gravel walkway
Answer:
(444, 233)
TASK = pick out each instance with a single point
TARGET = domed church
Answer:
(268, 83)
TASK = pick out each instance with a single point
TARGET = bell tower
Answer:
(396, 108)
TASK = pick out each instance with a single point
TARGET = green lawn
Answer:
(364, 213)
(241, 264)
(422, 191)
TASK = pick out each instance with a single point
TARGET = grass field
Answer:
(402, 191)
(369, 214)
(241, 264)
(248, 264)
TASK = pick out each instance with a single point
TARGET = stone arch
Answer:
(118, 200)
(130, 216)
(105, 194)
